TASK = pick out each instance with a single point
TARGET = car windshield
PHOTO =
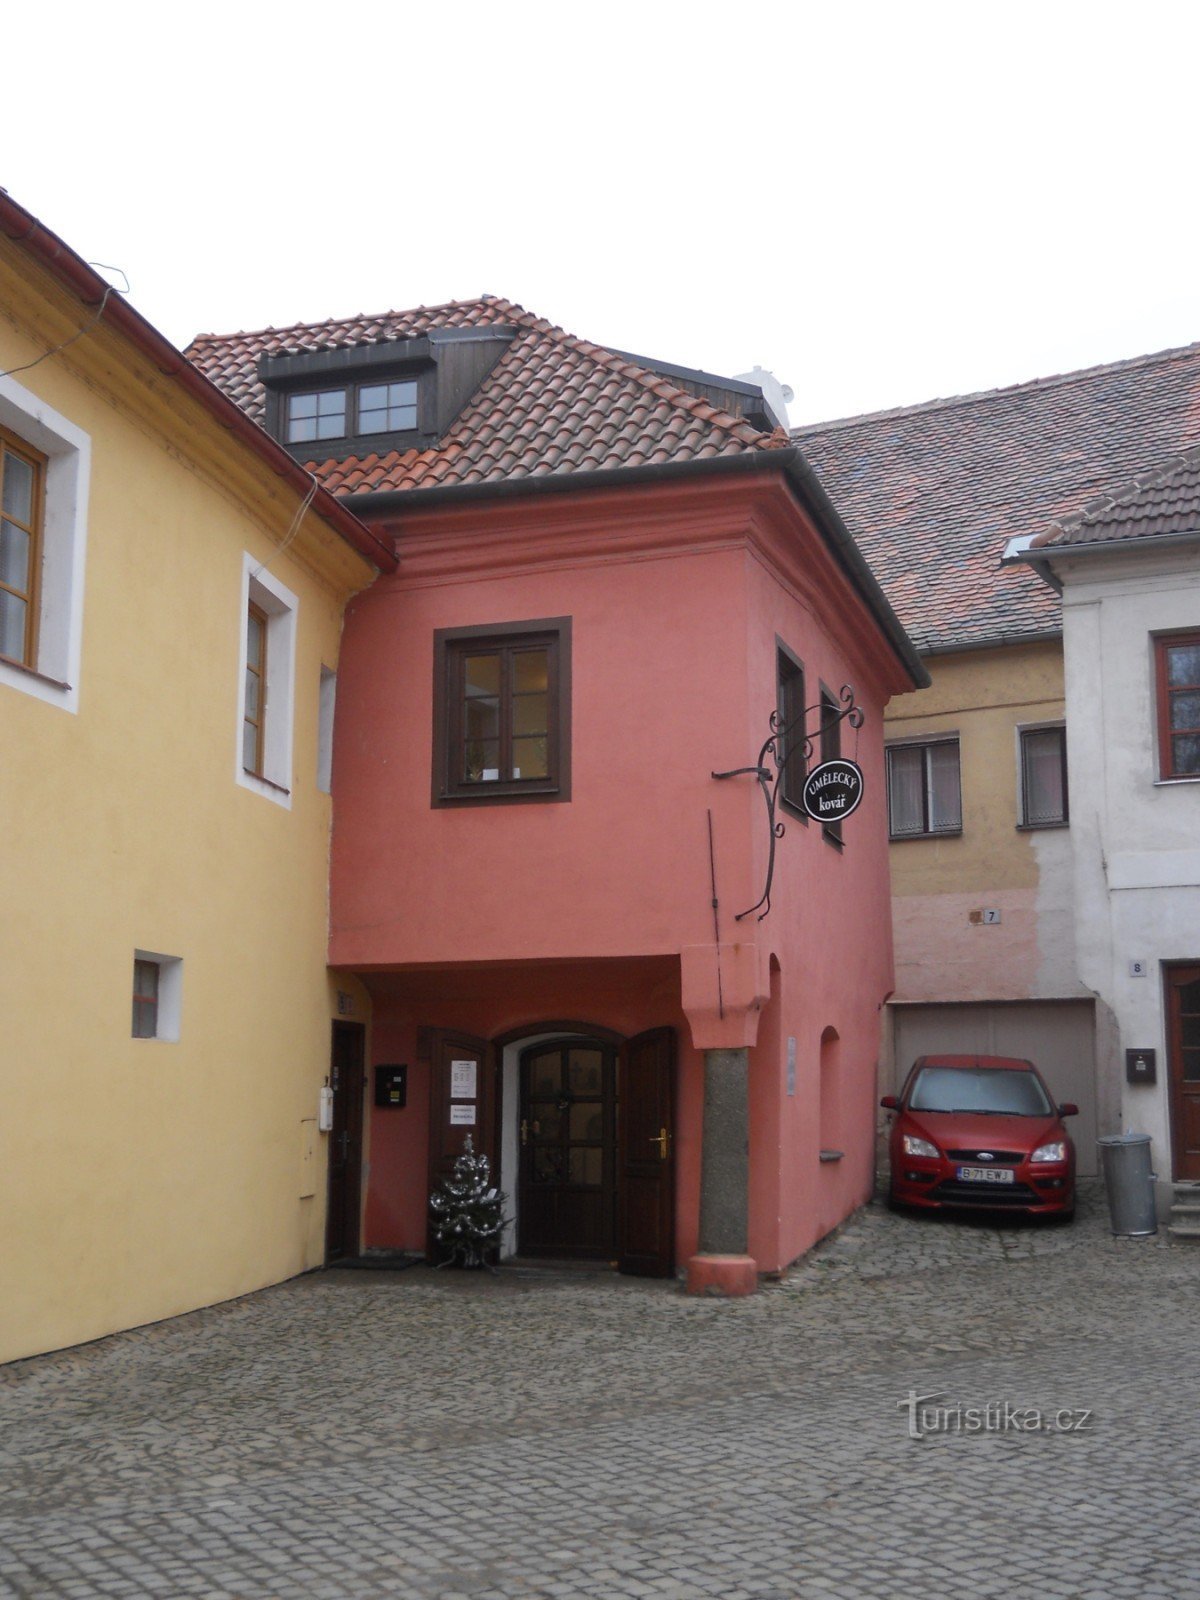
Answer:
(1001, 1091)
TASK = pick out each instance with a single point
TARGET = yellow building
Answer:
(170, 614)
(978, 796)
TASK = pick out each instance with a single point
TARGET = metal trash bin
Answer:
(1129, 1184)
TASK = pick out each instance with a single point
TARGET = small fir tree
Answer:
(468, 1213)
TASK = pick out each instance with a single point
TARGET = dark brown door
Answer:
(1183, 1050)
(347, 1057)
(568, 1176)
(646, 1141)
(462, 1105)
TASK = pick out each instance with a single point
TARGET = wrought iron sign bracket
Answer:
(769, 780)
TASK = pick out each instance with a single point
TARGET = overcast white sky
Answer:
(880, 202)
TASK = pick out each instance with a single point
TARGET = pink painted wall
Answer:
(676, 596)
(829, 932)
(625, 997)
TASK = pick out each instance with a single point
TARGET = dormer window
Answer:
(316, 416)
(394, 394)
(387, 407)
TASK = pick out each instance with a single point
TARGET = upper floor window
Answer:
(387, 407)
(266, 684)
(789, 717)
(254, 706)
(502, 712)
(1043, 777)
(316, 416)
(22, 491)
(44, 471)
(924, 796)
(357, 409)
(1177, 660)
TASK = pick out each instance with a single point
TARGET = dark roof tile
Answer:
(1156, 505)
(932, 493)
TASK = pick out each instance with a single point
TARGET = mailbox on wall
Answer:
(391, 1086)
(1140, 1066)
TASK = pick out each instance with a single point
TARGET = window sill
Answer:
(265, 787)
(907, 838)
(1170, 783)
(507, 798)
(32, 672)
(1041, 827)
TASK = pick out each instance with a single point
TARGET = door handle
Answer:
(661, 1139)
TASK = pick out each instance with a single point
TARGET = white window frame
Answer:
(170, 996)
(280, 606)
(54, 678)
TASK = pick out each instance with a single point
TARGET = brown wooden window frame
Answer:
(255, 612)
(1163, 692)
(12, 444)
(789, 712)
(450, 647)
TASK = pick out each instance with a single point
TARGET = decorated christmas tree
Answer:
(468, 1213)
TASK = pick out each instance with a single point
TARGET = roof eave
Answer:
(81, 280)
(787, 459)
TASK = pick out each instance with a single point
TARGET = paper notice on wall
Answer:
(462, 1080)
(791, 1066)
(462, 1116)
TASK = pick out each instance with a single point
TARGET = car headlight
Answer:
(1050, 1152)
(918, 1147)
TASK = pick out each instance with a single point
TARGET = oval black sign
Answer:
(832, 790)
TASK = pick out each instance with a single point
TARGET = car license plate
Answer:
(985, 1175)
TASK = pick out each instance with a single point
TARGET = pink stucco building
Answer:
(610, 575)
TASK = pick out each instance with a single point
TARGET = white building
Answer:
(1128, 567)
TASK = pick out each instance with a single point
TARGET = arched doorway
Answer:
(587, 1147)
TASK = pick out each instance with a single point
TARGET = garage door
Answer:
(1057, 1036)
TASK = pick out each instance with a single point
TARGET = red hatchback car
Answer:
(981, 1132)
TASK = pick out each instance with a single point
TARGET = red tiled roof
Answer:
(1155, 506)
(552, 404)
(932, 493)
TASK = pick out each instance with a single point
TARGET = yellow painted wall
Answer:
(939, 885)
(981, 696)
(141, 1178)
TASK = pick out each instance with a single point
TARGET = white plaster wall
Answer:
(1135, 840)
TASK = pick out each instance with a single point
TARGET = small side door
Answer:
(646, 1154)
(346, 1063)
(462, 1104)
(1183, 1054)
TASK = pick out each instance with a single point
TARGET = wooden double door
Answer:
(1183, 1053)
(595, 1170)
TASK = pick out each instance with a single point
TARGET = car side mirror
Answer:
(1068, 1109)
(890, 1102)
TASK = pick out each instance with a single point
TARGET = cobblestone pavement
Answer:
(362, 1434)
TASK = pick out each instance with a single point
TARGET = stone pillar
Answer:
(722, 1266)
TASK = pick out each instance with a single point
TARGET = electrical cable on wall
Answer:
(295, 527)
(109, 288)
